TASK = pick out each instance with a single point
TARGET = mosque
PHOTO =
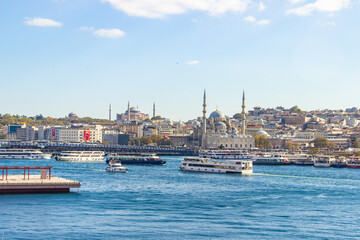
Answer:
(219, 130)
(132, 114)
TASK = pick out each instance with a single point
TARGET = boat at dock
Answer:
(23, 154)
(339, 162)
(324, 161)
(270, 160)
(196, 164)
(116, 167)
(301, 159)
(81, 156)
(225, 154)
(142, 159)
(353, 163)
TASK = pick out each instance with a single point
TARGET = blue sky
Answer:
(59, 56)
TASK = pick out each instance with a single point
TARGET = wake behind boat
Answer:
(196, 164)
(143, 159)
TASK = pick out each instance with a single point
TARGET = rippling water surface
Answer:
(161, 202)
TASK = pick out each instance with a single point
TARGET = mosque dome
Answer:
(134, 110)
(263, 133)
(217, 114)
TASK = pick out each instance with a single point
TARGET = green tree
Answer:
(145, 141)
(156, 118)
(356, 144)
(295, 109)
(221, 147)
(262, 142)
(321, 142)
(314, 151)
(357, 154)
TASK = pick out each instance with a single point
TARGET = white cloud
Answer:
(87, 29)
(250, 19)
(42, 22)
(325, 24)
(162, 8)
(109, 33)
(263, 22)
(321, 6)
(193, 62)
(296, 1)
(262, 7)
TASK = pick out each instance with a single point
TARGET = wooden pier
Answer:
(26, 183)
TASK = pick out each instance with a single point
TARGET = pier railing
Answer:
(28, 168)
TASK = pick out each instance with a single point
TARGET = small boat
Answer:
(353, 163)
(116, 167)
(196, 164)
(324, 161)
(340, 162)
(271, 160)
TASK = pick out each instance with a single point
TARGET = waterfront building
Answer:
(81, 134)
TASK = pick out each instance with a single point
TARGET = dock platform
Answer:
(44, 183)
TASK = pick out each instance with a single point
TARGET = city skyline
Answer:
(63, 56)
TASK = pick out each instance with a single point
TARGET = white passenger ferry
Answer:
(81, 156)
(324, 161)
(271, 160)
(116, 167)
(23, 154)
(224, 154)
(195, 164)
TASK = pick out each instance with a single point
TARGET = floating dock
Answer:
(44, 183)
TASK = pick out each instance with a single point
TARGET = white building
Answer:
(82, 134)
(233, 141)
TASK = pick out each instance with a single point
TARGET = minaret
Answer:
(204, 138)
(154, 110)
(243, 115)
(129, 119)
(110, 112)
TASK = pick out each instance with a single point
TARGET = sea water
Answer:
(161, 202)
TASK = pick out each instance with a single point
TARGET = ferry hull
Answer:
(212, 170)
(353, 166)
(161, 162)
(339, 165)
(271, 163)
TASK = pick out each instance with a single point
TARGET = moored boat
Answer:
(324, 161)
(142, 159)
(224, 154)
(353, 163)
(196, 164)
(81, 156)
(339, 162)
(23, 154)
(302, 160)
(270, 160)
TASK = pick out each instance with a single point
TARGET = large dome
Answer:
(217, 114)
(263, 133)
